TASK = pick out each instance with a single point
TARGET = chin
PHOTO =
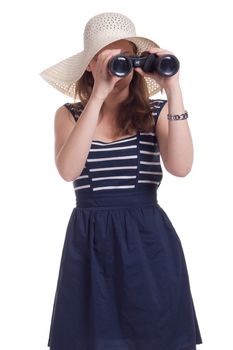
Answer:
(121, 85)
(117, 88)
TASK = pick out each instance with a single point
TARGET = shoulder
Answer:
(75, 108)
(69, 111)
(63, 117)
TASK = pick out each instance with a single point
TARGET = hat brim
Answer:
(64, 74)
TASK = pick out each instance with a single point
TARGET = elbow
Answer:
(179, 171)
(65, 174)
(183, 173)
(66, 177)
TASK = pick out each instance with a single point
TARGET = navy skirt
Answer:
(123, 283)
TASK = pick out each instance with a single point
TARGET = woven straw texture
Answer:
(100, 31)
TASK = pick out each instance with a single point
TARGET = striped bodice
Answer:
(124, 165)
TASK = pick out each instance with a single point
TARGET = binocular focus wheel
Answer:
(149, 64)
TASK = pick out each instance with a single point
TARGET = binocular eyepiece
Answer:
(121, 65)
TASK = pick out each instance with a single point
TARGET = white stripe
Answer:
(147, 152)
(155, 106)
(79, 187)
(156, 101)
(82, 177)
(148, 143)
(111, 158)
(150, 172)
(113, 177)
(111, 187)
(147, 133)
(114, 168)
(111, 149)
(155, 163)
(148, 181)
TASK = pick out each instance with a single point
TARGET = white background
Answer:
(36, 202)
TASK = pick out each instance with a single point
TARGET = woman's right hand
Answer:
(104, 81)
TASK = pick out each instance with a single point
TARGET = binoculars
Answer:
(121, 65)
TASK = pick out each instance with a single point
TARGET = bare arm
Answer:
(72, 143)
(174, 137)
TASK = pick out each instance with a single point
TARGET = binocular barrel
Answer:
(121, 65)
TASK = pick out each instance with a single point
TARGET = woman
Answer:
(123, 282)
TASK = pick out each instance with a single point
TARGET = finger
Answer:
(164, 53)
(153, 75)
(144, 74)
(104, 65)
(107, 59)
(109, 53)
(155, 49)
(140, 71)
(159, 51)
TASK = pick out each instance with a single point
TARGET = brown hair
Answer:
(134, 112)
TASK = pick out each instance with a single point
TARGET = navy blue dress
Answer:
(123, 283)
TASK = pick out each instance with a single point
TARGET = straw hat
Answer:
(100, 31)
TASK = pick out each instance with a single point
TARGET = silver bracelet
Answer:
(178, 116)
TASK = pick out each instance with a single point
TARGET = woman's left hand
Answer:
(164, 81)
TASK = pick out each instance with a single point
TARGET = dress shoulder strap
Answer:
(156, 105)
(75, 109)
